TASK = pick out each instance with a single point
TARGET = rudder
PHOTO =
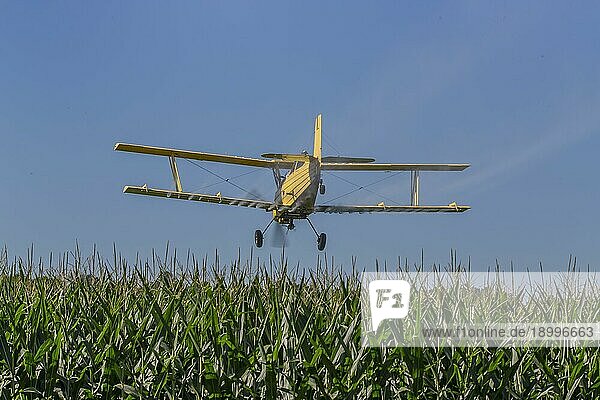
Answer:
(317, 147)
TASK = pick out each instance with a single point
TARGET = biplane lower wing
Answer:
(196, 155)
(207, 198)
(392, 167)
(384, 208)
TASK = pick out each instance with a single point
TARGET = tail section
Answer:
(317, 148)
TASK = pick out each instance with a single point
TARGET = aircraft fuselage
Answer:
(298, 190)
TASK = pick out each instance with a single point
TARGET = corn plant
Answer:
(88, 327)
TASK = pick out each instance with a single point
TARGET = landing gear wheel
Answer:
(322, 188)
(258, 238)
(321, 241)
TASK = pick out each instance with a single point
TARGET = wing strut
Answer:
(175, 173)
(414, 188)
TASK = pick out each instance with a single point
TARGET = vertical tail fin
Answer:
(317, 148)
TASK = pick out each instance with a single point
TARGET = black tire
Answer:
(322, 189)
(321, 241)
(258, 238)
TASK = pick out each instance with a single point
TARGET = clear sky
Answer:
(511, 87)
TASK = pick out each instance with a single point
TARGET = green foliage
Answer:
(93, 329)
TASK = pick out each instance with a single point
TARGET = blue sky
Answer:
(512, 88)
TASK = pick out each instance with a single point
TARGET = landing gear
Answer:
(321, 187)
(258, 238)
(259, 235)
(321, 241)
(321, 237)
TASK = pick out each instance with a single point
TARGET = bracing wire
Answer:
(363, 187)
(331, 145)
(358, 187)
(220, 182)
(227, 180)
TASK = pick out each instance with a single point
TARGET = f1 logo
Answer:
(388, 299)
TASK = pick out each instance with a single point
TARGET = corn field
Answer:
(94, 328)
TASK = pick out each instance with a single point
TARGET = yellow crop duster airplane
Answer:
(297, 190)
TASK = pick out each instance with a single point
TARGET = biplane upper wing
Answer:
(385, 208)
(196, 155)
(392, 167)
(208, 198)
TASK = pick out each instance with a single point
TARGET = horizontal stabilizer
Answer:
(348, 160)
(287, 157)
